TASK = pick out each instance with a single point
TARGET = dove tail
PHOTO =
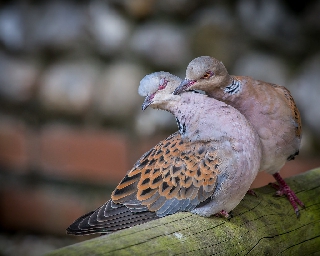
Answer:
(109, 218)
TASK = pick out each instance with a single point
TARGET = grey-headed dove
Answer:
(269, 107)
(205, 168)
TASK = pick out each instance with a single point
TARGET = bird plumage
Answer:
(205, 168)
(269, 107)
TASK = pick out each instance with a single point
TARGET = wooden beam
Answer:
(262, 225)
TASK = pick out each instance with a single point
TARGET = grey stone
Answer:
(271, 22)
(57, 25)
(213, 33)
(109, 29)
(69, 86)
(11, 27)
(262, 66)
(161, 44)
(116, 94)
(17, 78)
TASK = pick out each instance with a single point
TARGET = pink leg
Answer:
(284, 189)
(224, 214)
(251, 192)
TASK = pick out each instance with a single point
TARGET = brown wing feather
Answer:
(107, 219)
(173, 176)
(294, 109)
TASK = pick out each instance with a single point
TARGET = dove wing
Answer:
(173, 176)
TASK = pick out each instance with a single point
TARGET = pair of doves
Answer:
(240, 127)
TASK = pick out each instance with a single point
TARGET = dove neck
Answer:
(196, 116)
(230, 91)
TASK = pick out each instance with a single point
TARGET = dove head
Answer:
(157, 88)
(204, 73)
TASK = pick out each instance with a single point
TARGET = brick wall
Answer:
(50, 175)
(54, 174)
(71, 123)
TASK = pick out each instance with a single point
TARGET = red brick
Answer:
(291, 168)
(88, 155)
(14, 145)
(43, 209)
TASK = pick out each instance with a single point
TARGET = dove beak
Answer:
(147, 101)
(185, 84)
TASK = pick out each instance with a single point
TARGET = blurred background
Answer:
(71, 123)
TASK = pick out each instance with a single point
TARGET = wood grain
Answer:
(262, 225)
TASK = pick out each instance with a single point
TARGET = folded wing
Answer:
(173, 176)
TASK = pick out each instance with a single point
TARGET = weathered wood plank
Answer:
(262, 225)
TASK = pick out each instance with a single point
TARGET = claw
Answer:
(224, 214)
(252, 193)
(284, 189)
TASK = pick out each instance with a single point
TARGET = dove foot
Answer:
(284, 189)
(251, 192)
(223, 214)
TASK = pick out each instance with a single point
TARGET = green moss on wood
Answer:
(262, 225)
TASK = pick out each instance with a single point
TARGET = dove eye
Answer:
(163, 83)
(208, 74)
